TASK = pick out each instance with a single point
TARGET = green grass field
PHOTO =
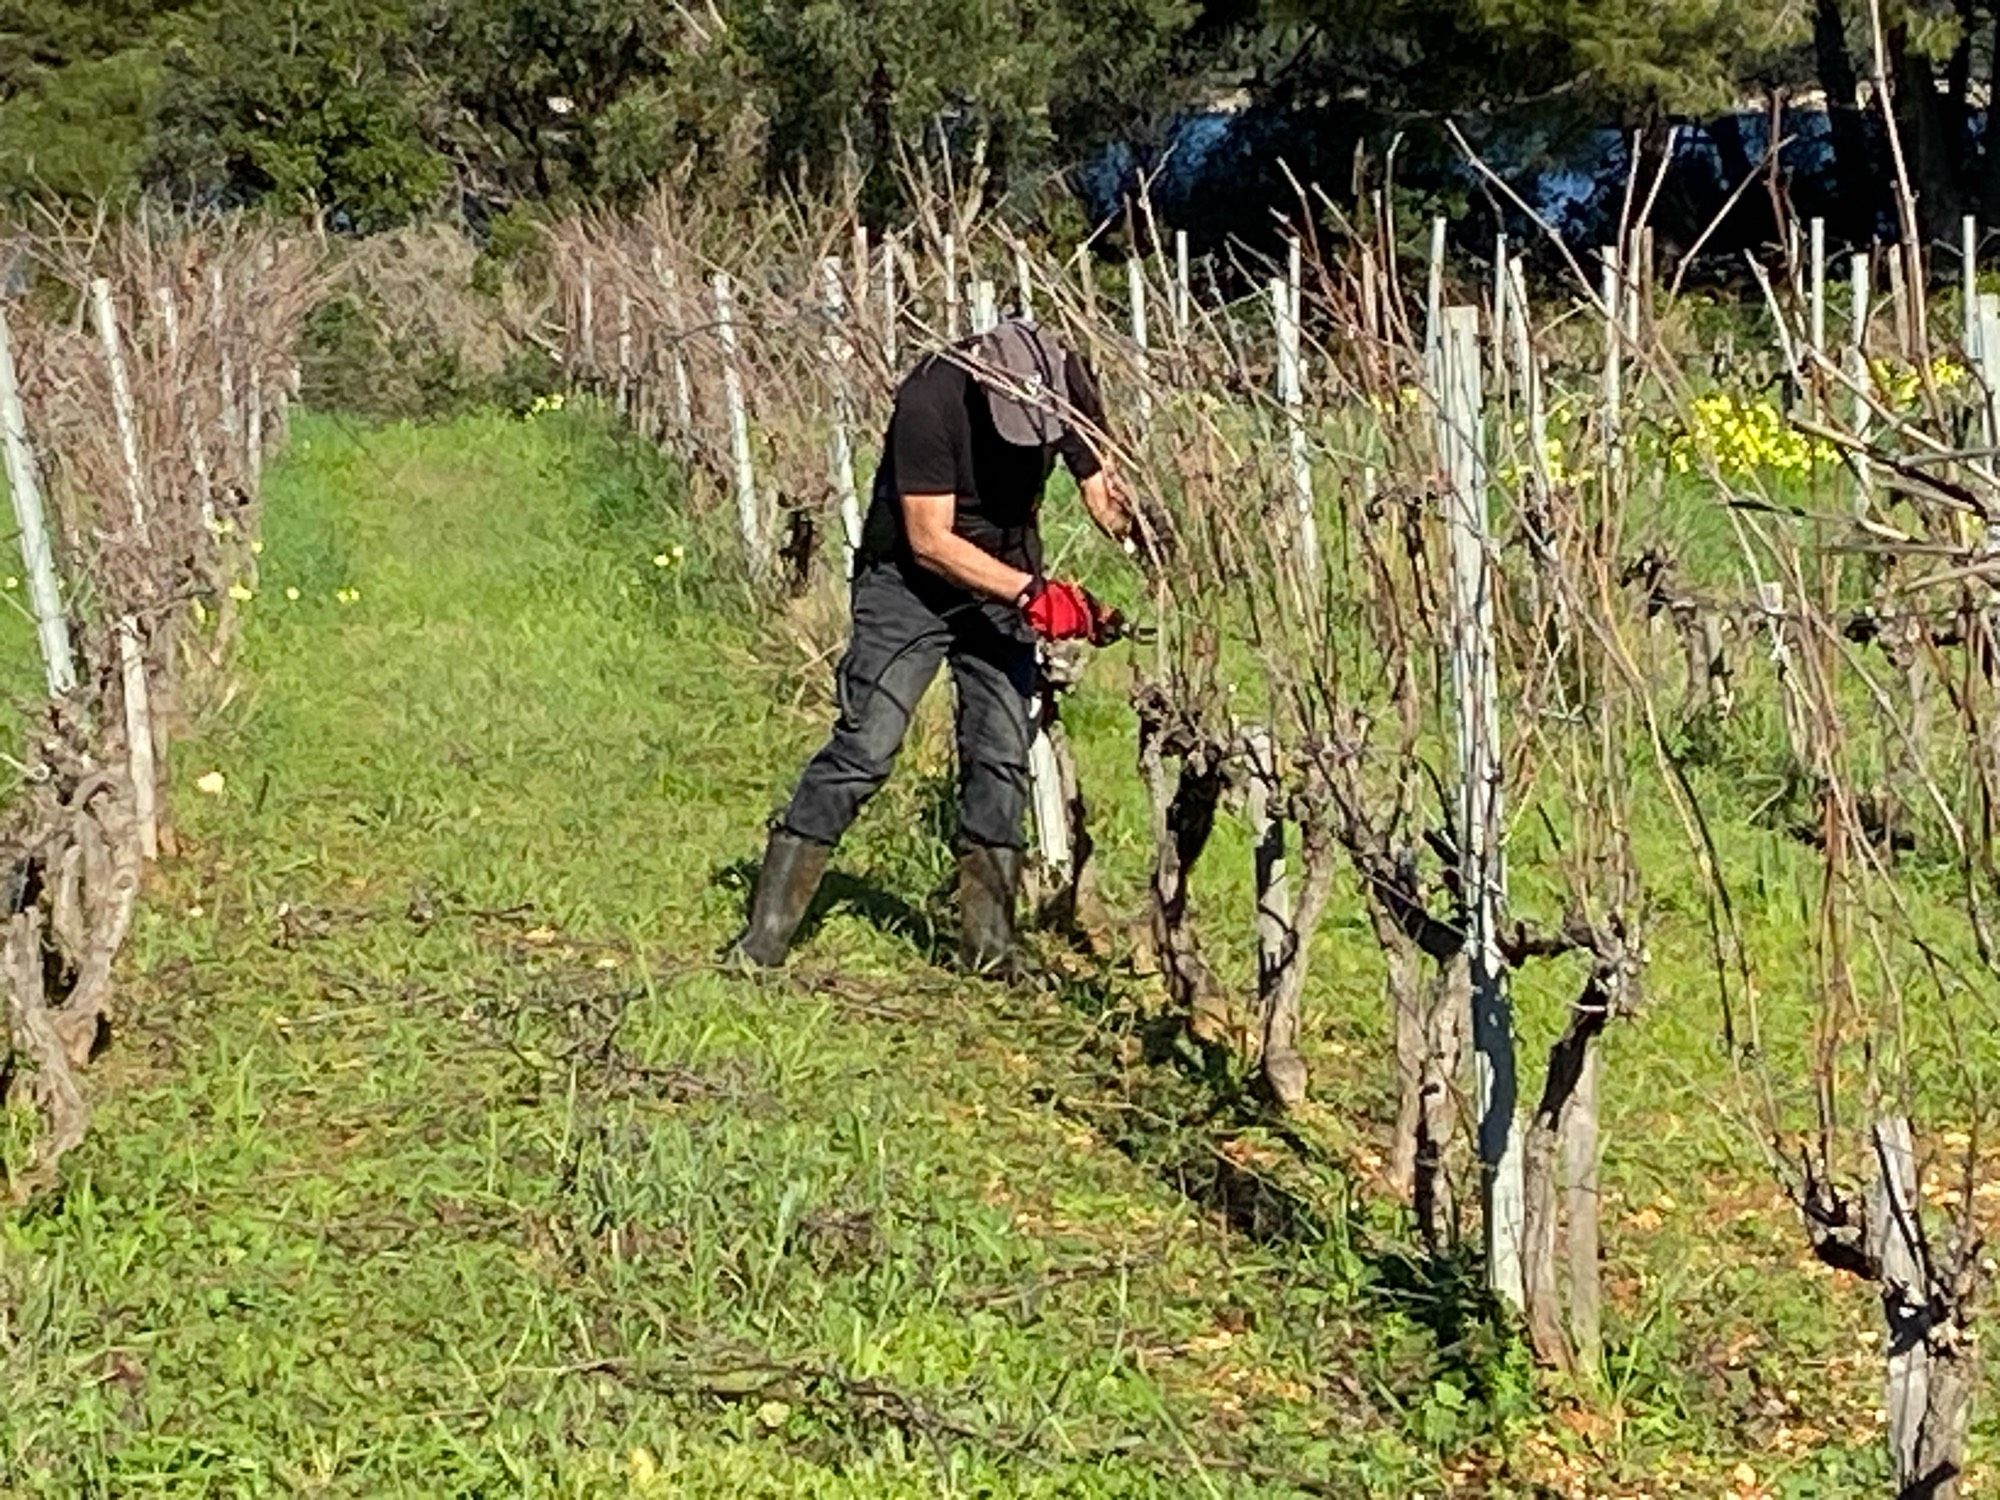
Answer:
(436, 1157)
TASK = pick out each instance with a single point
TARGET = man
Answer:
(950, 569)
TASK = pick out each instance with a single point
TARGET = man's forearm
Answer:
(951, 556)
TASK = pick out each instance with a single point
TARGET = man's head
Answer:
(1025, 373)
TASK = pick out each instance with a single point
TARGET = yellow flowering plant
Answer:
(1555, 462)
(1743, 437)
(1899, 386)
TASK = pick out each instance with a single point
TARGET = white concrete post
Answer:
(218, 313)
(253, 426)
(38, 559)
(1475, 681)
(1816, 272)
(1986, 355)
(123, 412)
(1434, 299)
(1895, 1211)
(1614, 369)
(677, 359)
(890, 312)
(1267, 847)
(624, 353)
(197, 441)
(1291, 400)
(1857, 364)
(1183, 287)
(1968, 275)
(1534, 404)
(1135, 282)
(840, 455)
(749, 513)
(1985, 352)
(862, 262)
(1053, 841)
(951, 287)
(139, 737)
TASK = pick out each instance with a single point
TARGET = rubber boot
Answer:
(785, 887)
(988, 879)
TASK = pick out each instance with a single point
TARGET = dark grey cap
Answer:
(1026, 376)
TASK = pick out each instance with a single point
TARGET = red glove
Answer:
(1065, 612)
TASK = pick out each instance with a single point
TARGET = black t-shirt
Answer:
(942, 442)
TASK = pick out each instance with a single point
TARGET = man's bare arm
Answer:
(927, 520)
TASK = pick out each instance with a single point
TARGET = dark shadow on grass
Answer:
(1182, 1110)
(1174, 1108)
(1445, 1294)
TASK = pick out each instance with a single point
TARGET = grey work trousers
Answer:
(900, 637)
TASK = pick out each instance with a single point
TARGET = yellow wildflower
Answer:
(1742, 437)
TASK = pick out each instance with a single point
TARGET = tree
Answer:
(78, 83)
(1938, 59)
(311, 103)
(41, 37)
(1036, 82)
(1637, 61)
(559, 98)
(370, 111)
(81, 131)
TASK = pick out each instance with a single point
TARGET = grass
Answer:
(436, 1157)
(22, 682)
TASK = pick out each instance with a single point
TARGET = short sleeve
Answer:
(930, 431)
(1086, 430)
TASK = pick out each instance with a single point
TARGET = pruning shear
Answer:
(1117, 628)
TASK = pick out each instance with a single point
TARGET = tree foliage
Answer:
(371, 111)
(1640, 58)
(302, 102)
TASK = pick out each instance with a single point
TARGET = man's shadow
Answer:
(882, 909)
